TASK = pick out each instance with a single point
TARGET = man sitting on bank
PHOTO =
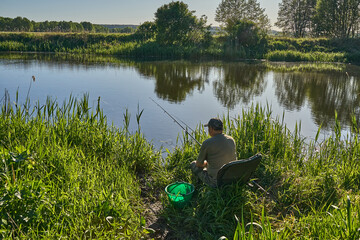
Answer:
(216, 151)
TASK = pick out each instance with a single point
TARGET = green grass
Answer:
(130, 45)
(304, 179)
(67, 173)
(314, 44)
(297, 56)
(64, 42)
(313, 49)
(122, 45)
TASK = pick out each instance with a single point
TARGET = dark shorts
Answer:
(203, 175)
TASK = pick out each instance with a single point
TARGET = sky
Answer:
(111, 11)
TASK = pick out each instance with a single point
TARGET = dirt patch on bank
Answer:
(155, 223)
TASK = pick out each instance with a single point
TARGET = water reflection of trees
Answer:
(325, 94)
(239, 82)
(285, 91)
(235, 82)
(175, 80)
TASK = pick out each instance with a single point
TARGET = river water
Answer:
(192, 92)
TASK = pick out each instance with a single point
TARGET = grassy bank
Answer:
(308, 185)
(313, 50)
(124, 45)
(67, 173)
(130, 45)
(296, 56)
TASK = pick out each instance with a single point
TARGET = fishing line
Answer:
(255, 183)
(192, 130)
(175, 121)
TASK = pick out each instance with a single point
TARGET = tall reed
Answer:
(297, 56)
(304, 179)
(67, 173)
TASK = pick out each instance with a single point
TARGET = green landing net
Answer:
(180, 193)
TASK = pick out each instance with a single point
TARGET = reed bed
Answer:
(307, 184)
(67, 173)
(297, 56)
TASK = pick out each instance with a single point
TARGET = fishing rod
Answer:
(175, 120)
(192, 130)
(255, 183)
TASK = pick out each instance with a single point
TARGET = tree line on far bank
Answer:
(176, 31)
(22, 24)
(298, 18)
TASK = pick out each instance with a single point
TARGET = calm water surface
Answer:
(192, 92)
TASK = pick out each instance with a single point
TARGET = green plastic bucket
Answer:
(180, 193)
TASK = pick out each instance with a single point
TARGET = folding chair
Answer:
(238, 170)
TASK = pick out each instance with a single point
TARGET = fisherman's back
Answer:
(217, 151)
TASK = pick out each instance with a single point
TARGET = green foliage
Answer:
(335, 19)
(17, 24)
(66, 173)
(303, 44)
(306, 49)
(303, 180)
(24, 203)
(246, 42)
(231, 11)
(127, 30)
(295, 16)
(20, 24)
(246, 35)
(146, 31)
(296, 56)
(339, 19)
(87, 26)
(176, 25)
(335, 222)
(62, 42)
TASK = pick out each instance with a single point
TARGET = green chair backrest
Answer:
(238, 170)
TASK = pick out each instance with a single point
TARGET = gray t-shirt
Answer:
(217, 151)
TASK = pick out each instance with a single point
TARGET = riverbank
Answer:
(68, 173)
(130, 45)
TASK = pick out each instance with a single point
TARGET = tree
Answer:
(337, 18)
(230, 11)
(21, 24)
(5, 24)
(127, 30)
(77, 27)
(177, 25)
(295, 16)
(99, 28)
(146, 31)
(244, 33)
(64, 26)
(89, 27)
